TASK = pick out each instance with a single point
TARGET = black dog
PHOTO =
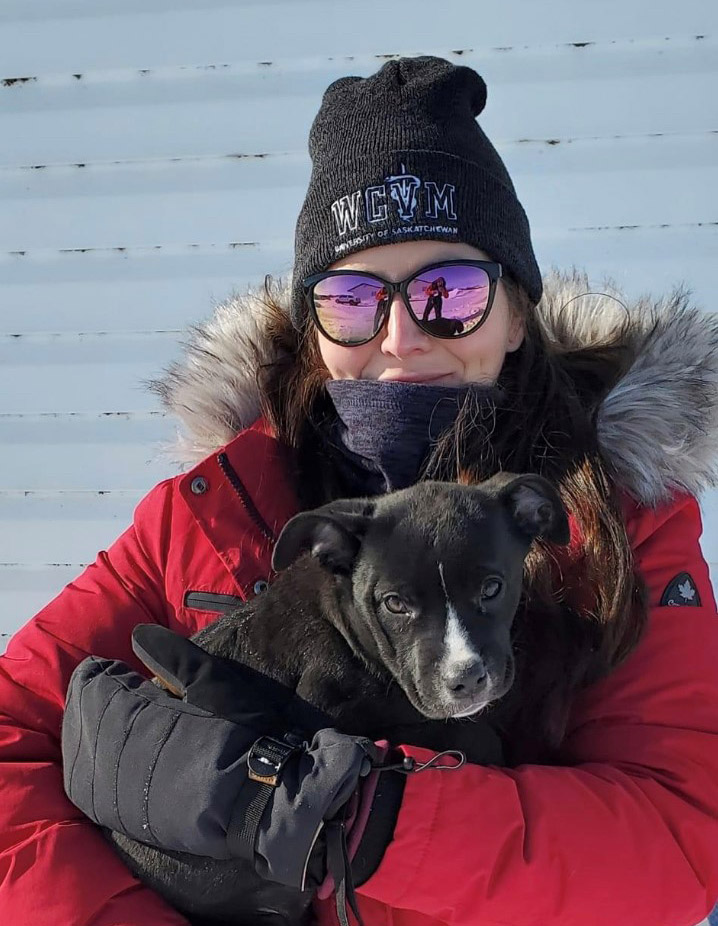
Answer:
(400, 615)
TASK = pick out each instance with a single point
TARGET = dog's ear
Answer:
(332, 533)
(536, 507)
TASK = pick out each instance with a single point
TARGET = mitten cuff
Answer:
(378, 832)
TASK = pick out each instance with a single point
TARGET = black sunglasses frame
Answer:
(492, 269)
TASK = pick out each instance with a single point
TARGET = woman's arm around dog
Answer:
(56, 867)
(626, 831)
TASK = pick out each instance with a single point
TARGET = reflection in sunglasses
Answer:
(445, 301)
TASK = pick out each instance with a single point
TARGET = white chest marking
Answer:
(457, 646)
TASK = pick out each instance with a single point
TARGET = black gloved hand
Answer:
(185, 774)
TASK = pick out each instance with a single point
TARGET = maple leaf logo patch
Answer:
(681, 591)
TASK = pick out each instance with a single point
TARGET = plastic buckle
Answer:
(267, 758)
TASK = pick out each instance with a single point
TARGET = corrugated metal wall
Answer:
(152, 157)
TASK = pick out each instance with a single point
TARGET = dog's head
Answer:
(430, 578)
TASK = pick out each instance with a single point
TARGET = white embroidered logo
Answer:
(440, 200)
(403, 190)
(346, 212)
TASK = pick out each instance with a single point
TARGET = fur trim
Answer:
(213, 389)
(658, 427)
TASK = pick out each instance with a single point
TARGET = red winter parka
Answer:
(624, 832)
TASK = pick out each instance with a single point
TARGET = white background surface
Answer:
(156, 158)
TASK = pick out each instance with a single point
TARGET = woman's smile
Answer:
(406, 376)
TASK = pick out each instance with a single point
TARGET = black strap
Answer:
(340, 869)
(265, 762)
(241, 839)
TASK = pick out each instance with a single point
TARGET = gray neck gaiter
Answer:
(383, 431)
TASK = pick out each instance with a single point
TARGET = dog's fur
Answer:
(392, 625)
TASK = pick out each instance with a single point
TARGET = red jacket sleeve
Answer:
(55, 866)
(627, 830)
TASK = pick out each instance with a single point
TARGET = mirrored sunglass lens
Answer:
(450, 301)
(349, 308)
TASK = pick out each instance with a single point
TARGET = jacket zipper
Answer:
(241, 491)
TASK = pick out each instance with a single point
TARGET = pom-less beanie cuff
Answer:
(442, 180)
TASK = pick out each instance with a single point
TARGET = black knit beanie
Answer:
(399, 156)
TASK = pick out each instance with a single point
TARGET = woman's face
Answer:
(401, 350)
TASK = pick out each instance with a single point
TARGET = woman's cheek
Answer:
(482, 361)
(344, 362)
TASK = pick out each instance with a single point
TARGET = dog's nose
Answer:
(465, 679)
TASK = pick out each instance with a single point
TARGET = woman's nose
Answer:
(401, 335)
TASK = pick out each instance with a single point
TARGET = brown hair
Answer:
(583, 612)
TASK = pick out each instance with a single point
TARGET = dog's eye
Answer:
(491, 588)
(394, 604)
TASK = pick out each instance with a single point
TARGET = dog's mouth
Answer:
(469, 712)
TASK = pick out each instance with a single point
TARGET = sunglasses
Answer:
(449, 299)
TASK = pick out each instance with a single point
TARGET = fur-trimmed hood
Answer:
(658, 426)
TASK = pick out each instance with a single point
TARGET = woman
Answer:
(436, 293)
(619, 410)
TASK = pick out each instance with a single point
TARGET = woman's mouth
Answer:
(413, 377)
